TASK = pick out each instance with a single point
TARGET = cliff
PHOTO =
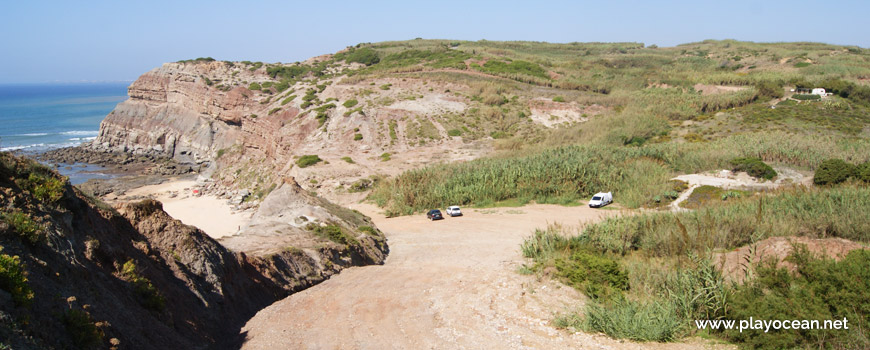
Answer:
(76, 273)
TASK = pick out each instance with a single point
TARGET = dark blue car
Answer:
(434, 214)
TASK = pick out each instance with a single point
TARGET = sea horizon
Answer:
(40, 116)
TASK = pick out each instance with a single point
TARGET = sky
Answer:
(72, 41)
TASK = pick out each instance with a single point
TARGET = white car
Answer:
(453, 211)
(601, 199)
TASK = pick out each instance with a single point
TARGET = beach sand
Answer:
(209, 213)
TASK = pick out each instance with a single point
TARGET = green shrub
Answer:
(348, 160)
(454, 132)
(820, 289)
(255, 86)
(283, 85)
(393, 125)
(508, 69)
(366, 56)
(146, 294)
(558, 99)
(754, 167)
(308, 160)
(82, 329)
(386, 86)
(350, 103)
(369, 230)
(333, 233)
(44, 186)
(806, 97)
(498, 135)
(361, 185)
(13, 279)
(274, 110)
(834, 171)
(357, 137)
(864, 172)
(385, 156)
(594, 274)
(24, 226)
(769, 89)
(802, 64)
(288, 99)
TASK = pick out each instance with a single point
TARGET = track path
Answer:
(449, 284)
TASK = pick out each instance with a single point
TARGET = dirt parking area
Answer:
(448, 284)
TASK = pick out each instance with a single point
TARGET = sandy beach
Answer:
(207, 212)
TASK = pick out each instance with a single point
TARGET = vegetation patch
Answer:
(24, 226)
(835, 171)
(704, 196)
(365, 55)
(755, 167)
(146, 294)
(350, 103)
(13, 279)
(333, 233)
(806, 97)
(371, 231)
(819, 289)
(361, 185)
(82, 328)
(288, 99)
(308, 160)
(515, 69)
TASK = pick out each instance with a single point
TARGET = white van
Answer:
(601, 199)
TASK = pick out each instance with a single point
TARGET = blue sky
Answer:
(46, 41)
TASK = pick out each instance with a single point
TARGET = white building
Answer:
(819, 91)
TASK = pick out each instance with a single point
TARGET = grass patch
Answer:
(333, 233)
(350, 103)
(348, 160)
(288, 99)
(705, 196)
(385, 156)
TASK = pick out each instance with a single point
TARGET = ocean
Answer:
(38, 117)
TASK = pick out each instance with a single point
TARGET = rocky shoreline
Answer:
(127, 171)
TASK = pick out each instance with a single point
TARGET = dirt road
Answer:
(449, 284)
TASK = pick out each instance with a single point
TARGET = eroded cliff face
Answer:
(241, 118)
(173, 111)
(134, 277)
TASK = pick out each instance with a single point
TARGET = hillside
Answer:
(76, 273)
(424, 101)
(422, 124)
